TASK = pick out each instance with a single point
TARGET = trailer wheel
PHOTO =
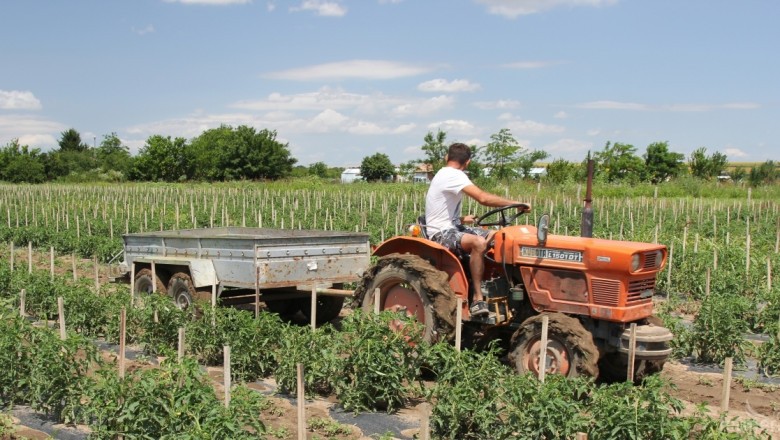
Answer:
(143, 283)
(570, 348)
(182, 290)
(409, 284)
(328, 307)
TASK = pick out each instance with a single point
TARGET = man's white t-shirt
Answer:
(444, 198)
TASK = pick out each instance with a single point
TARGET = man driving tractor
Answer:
(445, 225)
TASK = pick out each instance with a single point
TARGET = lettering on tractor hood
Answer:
(551, 254)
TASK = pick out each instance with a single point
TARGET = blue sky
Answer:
(340, 80)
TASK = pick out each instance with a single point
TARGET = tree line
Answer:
(218, 154)
(245, 153)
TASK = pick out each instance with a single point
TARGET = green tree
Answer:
(376, 167)
(70, 140)
(227, 153)
(112, 155)
(162, 159)
(507, 159)
(662, 164)
(435, 149)
(319, 169)
(765, 173)
(561, 171)
(19, 163)
(707, 167)
(618, 162)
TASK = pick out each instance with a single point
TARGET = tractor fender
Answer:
(436, 254)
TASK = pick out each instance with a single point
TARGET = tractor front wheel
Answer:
(182, 290)
(570, 348)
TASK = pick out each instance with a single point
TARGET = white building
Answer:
(350, 175)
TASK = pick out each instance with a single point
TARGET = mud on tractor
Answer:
(591, 289)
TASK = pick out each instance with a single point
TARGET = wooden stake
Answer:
(768, 274)
(581, 436)
(61, 317)
(122, 330)
(707, 283)
(226, 352)
(97, 275)
(73, 267)
(543, 348)
(425, 421)
(51, 262)
(631, 353)
(313, 312)
(726, 392)
(214, 301)
(458, 323)
(13, 255)
(377, 300)
(301, 405)
(257, 288)
(23, 303)
(29, 257)
(180, 351)
(154, 277)
(132, 285)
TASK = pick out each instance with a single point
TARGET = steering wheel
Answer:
(503, 219)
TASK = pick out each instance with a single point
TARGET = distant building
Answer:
(423, 173)
(537, 172)
(350, 175)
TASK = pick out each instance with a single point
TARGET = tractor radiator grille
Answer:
(650, 260)
(605, 292)
(640, 291)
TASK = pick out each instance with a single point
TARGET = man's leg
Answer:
(476, 247)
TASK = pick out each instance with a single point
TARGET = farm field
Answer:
(720, 293)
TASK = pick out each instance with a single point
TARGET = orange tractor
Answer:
(591, 289)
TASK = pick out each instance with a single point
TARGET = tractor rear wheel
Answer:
(411, 285)
(570, 348)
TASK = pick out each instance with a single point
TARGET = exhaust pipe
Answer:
(586, 228)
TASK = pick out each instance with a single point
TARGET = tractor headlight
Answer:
(635, 262)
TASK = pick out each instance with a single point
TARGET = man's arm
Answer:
(486, 198)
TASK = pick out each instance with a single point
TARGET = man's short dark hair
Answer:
(459, 152)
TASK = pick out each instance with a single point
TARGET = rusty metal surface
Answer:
(278, 257)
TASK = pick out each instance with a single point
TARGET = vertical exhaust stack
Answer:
(586, 229)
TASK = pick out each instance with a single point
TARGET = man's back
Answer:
(444, 198)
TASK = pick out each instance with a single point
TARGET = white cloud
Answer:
(353, 69)
(442, 85)
(454, 126)
(526, 127)
(515, 8)
(503, 104)
(323, 8)
(561, 115)
(210, 2)
(424, 107)
(35, 132)
(735, 152)
(594, 132)
(18, 100)
(270, 6)
(567, 146)
(148, 29)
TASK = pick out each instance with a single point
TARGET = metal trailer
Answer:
(241, 265)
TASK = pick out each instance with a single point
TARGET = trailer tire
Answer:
(411, 284)
(571, 351)
(328, 307)
(182, 290)
(143, 283)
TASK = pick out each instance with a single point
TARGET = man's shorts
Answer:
(451, 238)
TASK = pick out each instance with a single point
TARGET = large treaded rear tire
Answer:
(411, 284)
